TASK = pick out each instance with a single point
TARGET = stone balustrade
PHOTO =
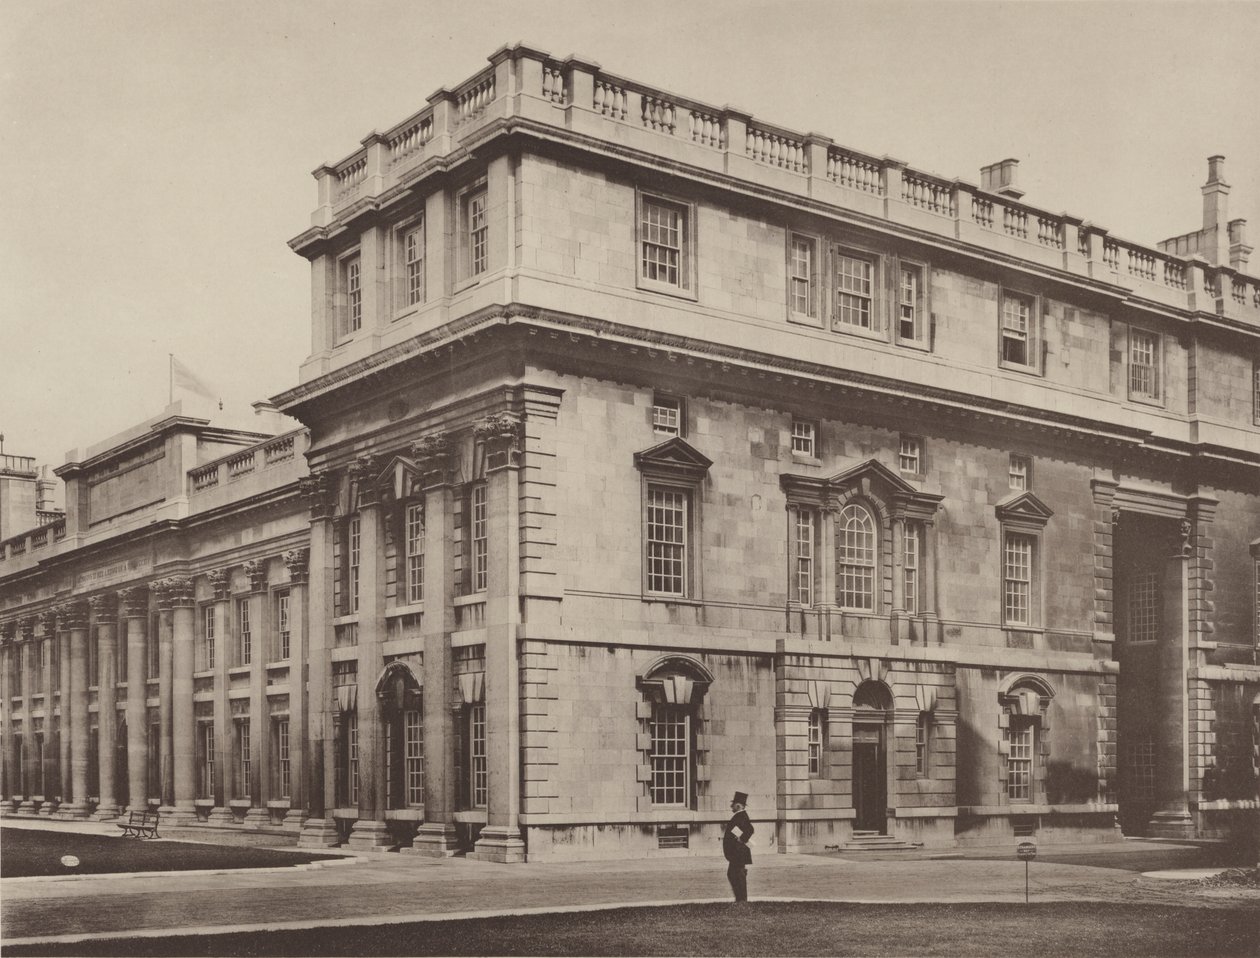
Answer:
(578, 95)
(261, 456)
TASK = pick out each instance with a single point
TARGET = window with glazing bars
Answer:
(413, 264)
(1144, 601)
(285, 783)
(1141, 767)
(478, 233)
(921, 744)
(1021, 738)
(804, 438)
(244, 636)
(815, 741)
(244, 781)
(662, 234)
(670, 756)
(1016, 332)
(804, 570)
(909, 322)
(1017, 567)
(666, 541)
(352, 281)
(667, 416)
(913, 546)
(352, 737)
(1143, 364)
(854, 291)
(282, 625)
(910, 454)
(151, 646)
(415, 552)
(207, 650)
(353, 537)
(478, 773)
(207, 760)
(94, 656)
(1018, 472)
(480, 538)
(414, 756)
(802, 273)
(153, 763)
(855, 544)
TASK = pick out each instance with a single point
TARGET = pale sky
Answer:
(156, 156)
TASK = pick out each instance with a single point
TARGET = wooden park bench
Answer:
(140, 825)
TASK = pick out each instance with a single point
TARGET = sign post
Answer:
(1026, 851)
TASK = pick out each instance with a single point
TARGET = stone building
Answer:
(654, 451)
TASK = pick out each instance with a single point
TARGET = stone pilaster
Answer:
(220, 583)
(500, 839)
(1172, 817)
(1105, 519)
(259, 737)
(175, 595)
(297, 561)
(105, 614)
(134, 608)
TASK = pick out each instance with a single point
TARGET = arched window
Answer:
(855, 561)
(1024, 700)
(674, 688)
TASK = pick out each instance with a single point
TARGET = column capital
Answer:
(219, 579)
(26, 629)
(317, 489)
(503, 435)
(432, 454)
(104, 606)
(298, 562)
(7, 631)
(364, 471)
(133, 602)
(173, 591)
(72, 615)
(51, 620)
(256, 569)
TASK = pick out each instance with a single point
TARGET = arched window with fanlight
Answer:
(856, 558)
(673, 688)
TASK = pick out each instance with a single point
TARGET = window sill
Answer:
(877, 335)
(672, 600)
(473, 599)
(804, 460)
(236, 670)
(415, 608)
(678, 292)
(467, 283)
(1019, 368)
(1155, 402)
(800, 319)
(914, 344)
(352, 619)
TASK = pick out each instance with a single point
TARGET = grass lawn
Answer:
(29, 851)
(1053, 930)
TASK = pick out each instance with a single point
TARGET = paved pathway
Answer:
(379, 888)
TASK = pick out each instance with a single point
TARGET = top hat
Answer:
(741, 798)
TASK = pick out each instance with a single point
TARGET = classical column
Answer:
(7, 649)
(897, 623)
(166, 702)
(437, 836)
(134, 606)
(26, 649)
(297, 561)
(370, 832)
(221, 814)
(500, 839)
(176, 595)
(318, 828)
(827, 565)
(75, 618)
(57, 766)
(105, 613)
(929, 609)
(259, 733)
(1172, 819)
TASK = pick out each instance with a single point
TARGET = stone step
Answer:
(873, 841)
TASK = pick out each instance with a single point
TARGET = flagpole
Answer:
(170, 396)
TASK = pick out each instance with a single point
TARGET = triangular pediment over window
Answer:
(402, 476)
(1025, 507)
(676, 458)
(871, 474)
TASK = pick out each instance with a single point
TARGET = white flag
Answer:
(185, 380)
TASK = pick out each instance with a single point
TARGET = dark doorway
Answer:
(870, 784)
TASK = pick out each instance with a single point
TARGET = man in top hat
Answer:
(735, 847)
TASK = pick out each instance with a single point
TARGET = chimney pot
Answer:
(1216, 169)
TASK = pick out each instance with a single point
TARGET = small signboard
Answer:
(1026, 851)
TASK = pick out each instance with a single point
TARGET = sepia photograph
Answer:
(729, 477)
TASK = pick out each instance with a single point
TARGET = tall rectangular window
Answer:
(353, 538)
(670, 756)
(244, 781)
(1255, 393)
(801, 276)
(1140, 765)
(480, 528)
(805, 438)
(413, 264)
(94, 656)
(1017, 573)
(667, 416)
(153, 764)
(352, 739)
(207, 760)
(352, 290)
(1143, 364)
(413, 746)
(283, 761)
(478, 232)
(244, 636)
(913, 548)
(283, 634)
(478, 769)
(666, 541)
(909, 304)
(208, 637)
(1021, 739)
(855, 291)
(151, 647)
(921, 745)
(815, 742)
(1017, 330)
(803, 573)
(1145, 597)
(662, 241)
(415, 552)
(1019, 472)
(910, 455)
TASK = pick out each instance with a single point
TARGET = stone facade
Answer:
(652, 453)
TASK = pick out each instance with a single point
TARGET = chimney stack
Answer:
(1216, 212)
(999, 178)
(1239, 251)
